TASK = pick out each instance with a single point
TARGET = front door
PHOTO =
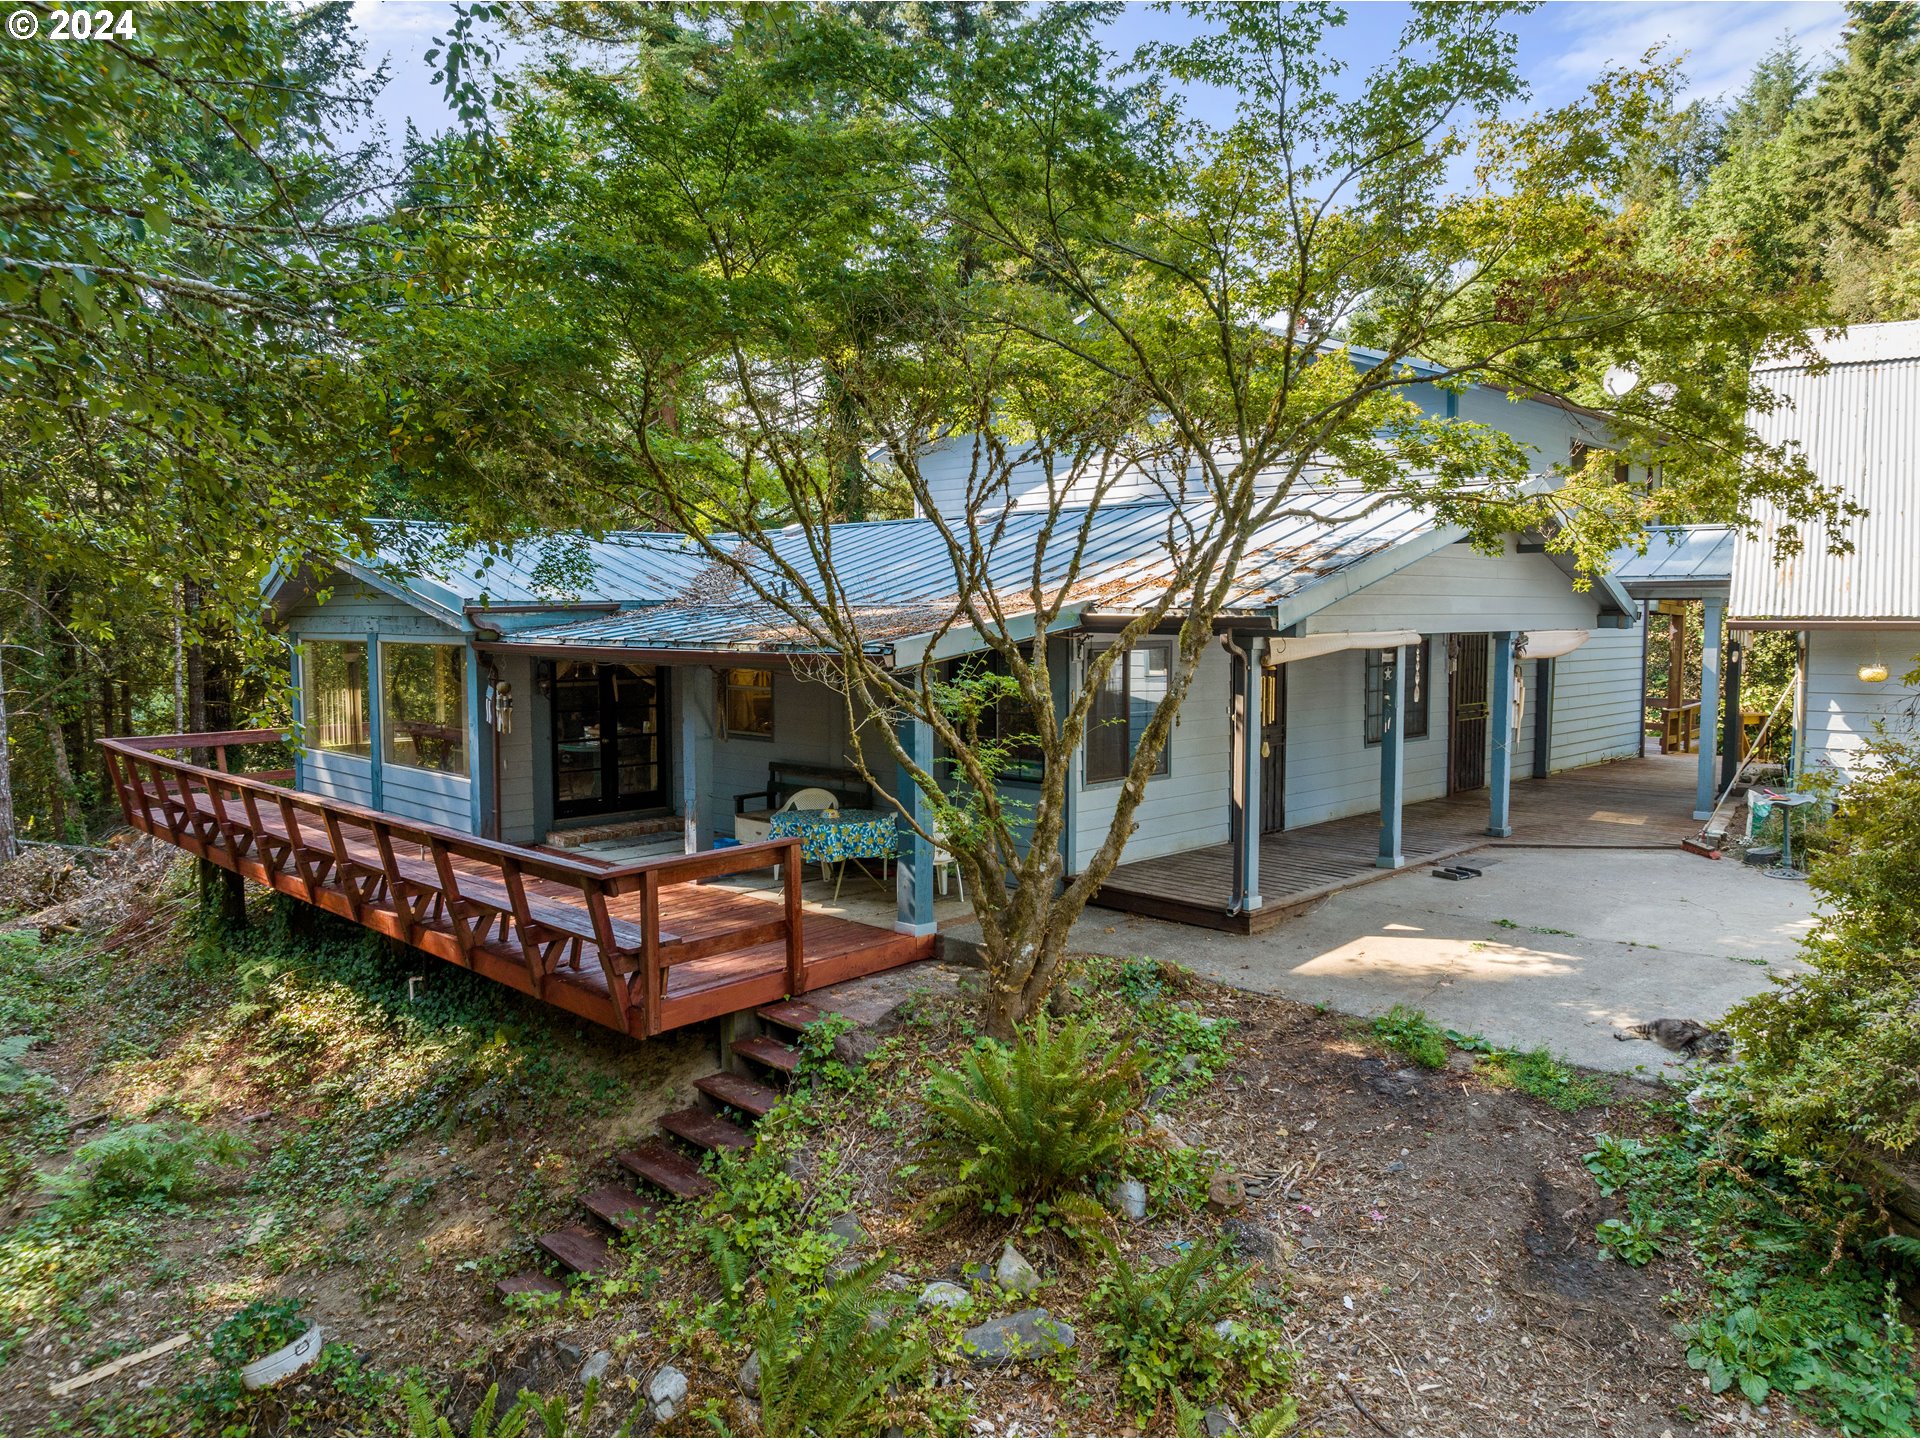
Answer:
(609, 745)
(1273, 749)
(1467, 677)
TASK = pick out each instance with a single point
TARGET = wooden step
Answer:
(742, 1092)
(526, 1282)
(705, 1129)
(663, 1166)
(769, 1052)
(579, 1249)
(792, 1014)
(617, 1206)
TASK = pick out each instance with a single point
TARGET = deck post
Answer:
(1713, 614)
(1500, 723)
(913, 865)
(1244, 789)
(1393, 762)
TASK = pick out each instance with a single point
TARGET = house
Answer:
(638, 684)
(1857, 614)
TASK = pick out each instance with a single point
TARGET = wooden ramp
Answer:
(1635, 804)
(640, 948)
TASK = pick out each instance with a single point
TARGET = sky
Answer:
(1563, 45)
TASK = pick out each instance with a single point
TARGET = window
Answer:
(1007, 721)
(334, 673)
(1134, 688)
(1582, 452)
(1414, 701)
(423, 706)
(746, 703)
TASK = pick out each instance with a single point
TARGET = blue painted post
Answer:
(1393, 761)
(479, 747)
(1713, 615)
(913, 869)
(1247, 719)
(1500, 722)
(299, 700)
(376, 719)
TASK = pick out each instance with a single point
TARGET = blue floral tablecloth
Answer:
(848, 835)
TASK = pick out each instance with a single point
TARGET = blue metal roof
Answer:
(1680, 562)
(899, 578)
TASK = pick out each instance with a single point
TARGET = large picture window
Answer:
(1415, 700)
(423, 706)
(746, 703)
(1133, 689)
(334, 673)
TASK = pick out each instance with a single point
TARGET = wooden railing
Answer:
(527, 918)
(1676, 726)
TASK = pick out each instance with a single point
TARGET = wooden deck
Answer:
(1630, 804)
(640, 948)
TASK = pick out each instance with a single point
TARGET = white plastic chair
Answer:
(942, 860)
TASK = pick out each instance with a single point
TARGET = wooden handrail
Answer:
(461, 916)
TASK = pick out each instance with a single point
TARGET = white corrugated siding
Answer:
(1859, 424)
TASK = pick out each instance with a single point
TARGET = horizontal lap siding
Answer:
(1331, 771)
(1185, 808)
(1842, 710)
(517, 760)
(344, 777)
(430, 795)
(1461, 590)
(356, 609)
(1598, 692)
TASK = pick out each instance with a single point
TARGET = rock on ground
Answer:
(1010, 1337)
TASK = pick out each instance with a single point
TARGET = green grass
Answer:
(1409, 1033)
(1543, 1075)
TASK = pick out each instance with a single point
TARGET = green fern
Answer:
(1159, 1324)
(555, 1415)
(1029, 1128)
(829, 1357)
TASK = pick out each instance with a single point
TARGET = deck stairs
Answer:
(666, 1168)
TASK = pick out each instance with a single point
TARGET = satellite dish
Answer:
(1666, 390)
(1619, 381)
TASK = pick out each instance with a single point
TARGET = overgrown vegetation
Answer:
(1408, 1032)
(1775, 1174)
(1025, 1130)
(1538, 1072)
(832, 1358)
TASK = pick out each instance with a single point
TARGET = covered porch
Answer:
(1636, 804)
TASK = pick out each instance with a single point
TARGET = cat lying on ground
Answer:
(1685, 1037)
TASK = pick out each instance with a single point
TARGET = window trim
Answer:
(386, 737)
(727, 732)
(305, 644)
(1165, 767)
(1373, 664)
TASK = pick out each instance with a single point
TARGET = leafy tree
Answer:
(182, 253)
(756, 247)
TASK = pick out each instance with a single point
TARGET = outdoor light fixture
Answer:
(1875, 674)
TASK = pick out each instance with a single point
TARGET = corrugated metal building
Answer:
(1857, 418)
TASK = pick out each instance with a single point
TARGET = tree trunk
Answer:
(196, 664)
(179, 670)
(9, 843)
(223, 896)
(62, 771)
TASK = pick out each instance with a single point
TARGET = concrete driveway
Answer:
(1553, 947)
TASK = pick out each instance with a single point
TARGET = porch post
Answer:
(1244, 791)
(1500, 722)
(693, 691)
(913, 868)
(1713, 614)
(1393, 760)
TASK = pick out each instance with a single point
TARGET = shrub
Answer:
(144, 1162)
(831, 1358)
(1409, 1033)
(1160, 1325)
(1833, 1058)
(1026, 1129)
